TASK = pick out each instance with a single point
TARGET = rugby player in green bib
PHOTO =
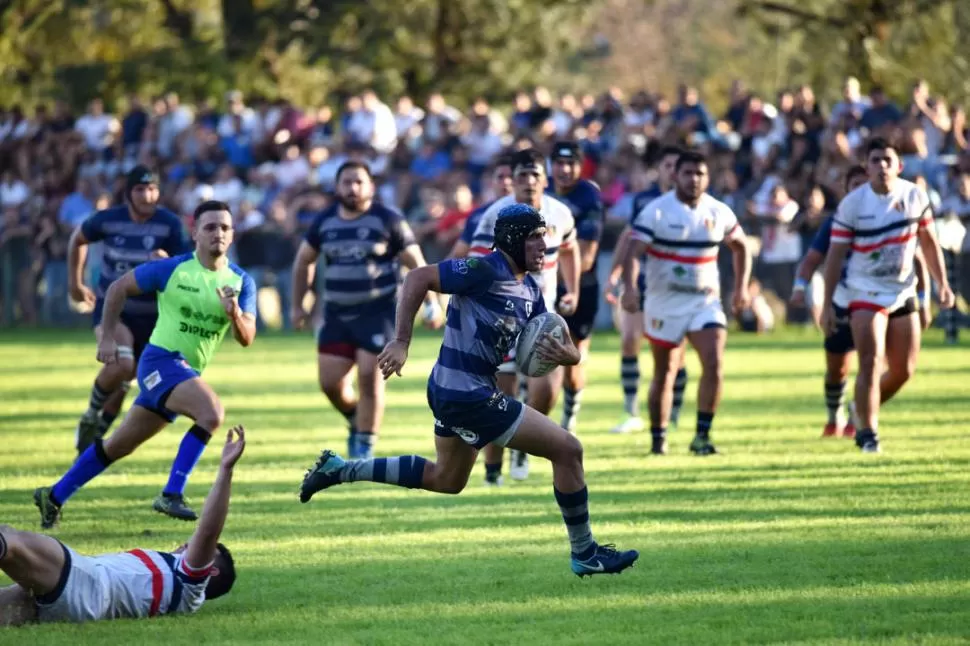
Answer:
(201, 296)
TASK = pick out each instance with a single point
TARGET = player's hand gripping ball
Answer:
(527, 358)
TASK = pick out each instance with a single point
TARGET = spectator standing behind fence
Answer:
(781, 248)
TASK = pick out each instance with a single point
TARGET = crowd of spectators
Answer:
(777, 160)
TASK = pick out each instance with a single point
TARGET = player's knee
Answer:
(367, 378)
(571, 451)
(902, 371)
(212, 417)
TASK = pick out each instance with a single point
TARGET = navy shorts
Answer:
(642, 286)
(580, 323)
(840, 342)
(159, 372)
(368, 329)
(141, 327)
(492, 420)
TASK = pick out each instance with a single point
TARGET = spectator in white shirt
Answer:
(97, 128)
(482, 145)
(440, 120)
(781, 248)
(227, 187)
(293, 169)
(382, 135)
(13, 192)
(235, 105)
(564, 118)
(406, 117)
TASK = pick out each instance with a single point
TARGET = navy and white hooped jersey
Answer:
(361, 255)
(468, 233)
(127, 244)
(586, 205)
(560, 235)
(488, 309)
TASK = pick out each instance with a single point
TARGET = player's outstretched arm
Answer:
(77, 253)
(417, 284)
(741, 257)
(303, 266)
(202, 546)
(933, 257)
(114, 303)
(635, 249)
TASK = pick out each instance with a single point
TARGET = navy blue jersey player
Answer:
(583, 199)
(501, 186)
(363, 245)
(130, 235)
(493, 299)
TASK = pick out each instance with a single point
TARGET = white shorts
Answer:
(82, 594)
(882, 302)
(669, 330)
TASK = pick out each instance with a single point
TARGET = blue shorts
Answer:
(159, 372)
(141, 327)
(369, 329)
(493, 420)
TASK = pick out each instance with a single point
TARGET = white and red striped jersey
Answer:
(560, 234)
(682, 247)
(145, 583)
(882, 233)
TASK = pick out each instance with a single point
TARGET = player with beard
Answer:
(494, 297)
(201, 296)
(583, 199)
(631, 323)
(529, 182)
(130, 235)
(881, 223)
(364, 245)
(501, 186)
(681, 232)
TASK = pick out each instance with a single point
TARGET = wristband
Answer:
(800, 284)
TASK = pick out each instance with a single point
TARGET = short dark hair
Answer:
(853, 172)
(351, 165)
(879, 143)
(666, 151)
(210, 205)
(528, 157)
(221, 583)
(690, 157)
(505, 159)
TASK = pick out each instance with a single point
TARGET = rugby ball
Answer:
(526, 358)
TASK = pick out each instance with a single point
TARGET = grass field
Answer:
(785, 538)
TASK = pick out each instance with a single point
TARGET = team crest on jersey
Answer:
(377, 339)
(528, 308)
(331, 235)
(362, 233)
(461, 266)
(551, 230)
(900, 206)
(148, 242)
(679, 271)
(709, 222)
(656, 324)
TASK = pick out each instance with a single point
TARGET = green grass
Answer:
(785, 538)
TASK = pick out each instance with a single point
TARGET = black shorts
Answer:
(581, 321)
(140, 326)
(840, 341)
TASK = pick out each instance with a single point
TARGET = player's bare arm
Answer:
(933, 256)
(415, 289)
(201, 549)
(587, 253)
(412, 258)
(834, 261)
(631, 297)
(803, 275)
(741, 257)
(303, 267)
(77, 253)
(114, 303)
(569, 267)
(243, 324)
